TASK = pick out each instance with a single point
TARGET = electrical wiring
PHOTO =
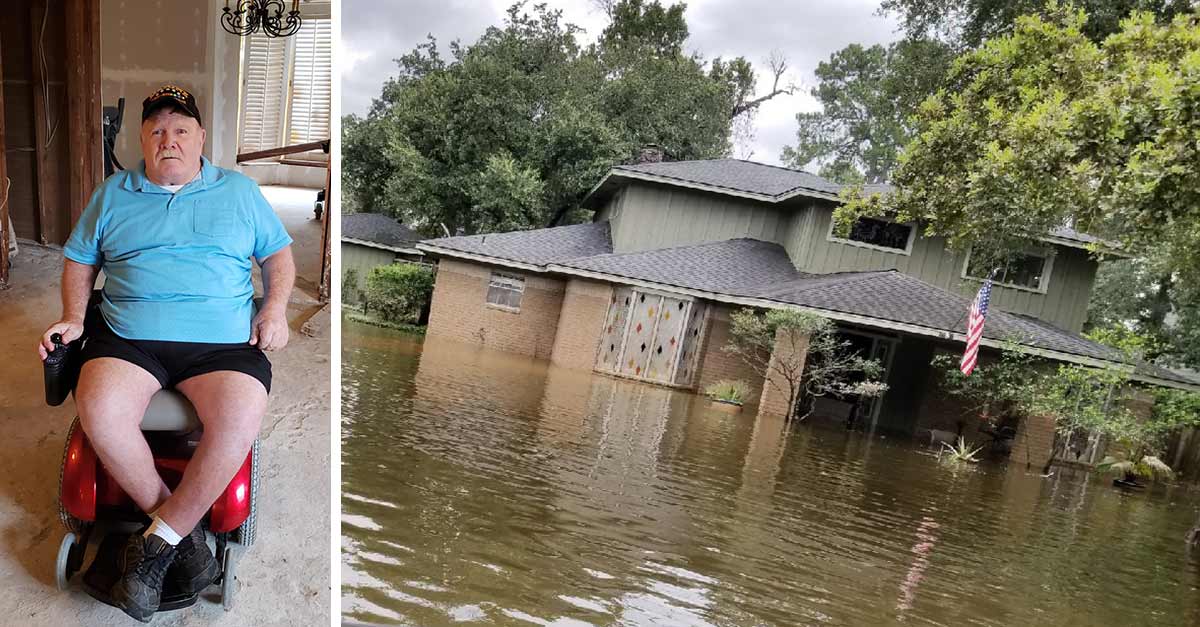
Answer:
(50, 129)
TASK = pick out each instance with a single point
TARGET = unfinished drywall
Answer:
(146, 43)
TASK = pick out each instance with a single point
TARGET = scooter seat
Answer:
(170, 411)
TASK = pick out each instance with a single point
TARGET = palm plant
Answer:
(960, 453)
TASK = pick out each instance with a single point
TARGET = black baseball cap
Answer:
(174, 96)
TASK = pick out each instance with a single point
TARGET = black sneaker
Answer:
(194, 567)
(142, 566)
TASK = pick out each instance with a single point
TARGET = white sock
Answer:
(160, 528)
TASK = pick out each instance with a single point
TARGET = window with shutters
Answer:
(308, 114)
(287, 86)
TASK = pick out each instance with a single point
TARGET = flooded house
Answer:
(645, 290)
(370, 240)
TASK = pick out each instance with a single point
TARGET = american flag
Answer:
(975, 327)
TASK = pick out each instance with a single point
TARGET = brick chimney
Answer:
(650, 153)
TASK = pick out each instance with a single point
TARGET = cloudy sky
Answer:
(375, 32)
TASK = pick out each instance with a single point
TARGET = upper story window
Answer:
(892, 237)
(505, 290)
(1030, 271)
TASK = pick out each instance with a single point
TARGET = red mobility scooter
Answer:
(91, 501)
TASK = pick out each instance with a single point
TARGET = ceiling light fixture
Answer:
(249, 16)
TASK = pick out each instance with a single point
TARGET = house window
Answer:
(1026, 270)
(287, 87)
(875, 233)
(505, 290)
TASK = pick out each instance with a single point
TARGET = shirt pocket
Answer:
(214, 219)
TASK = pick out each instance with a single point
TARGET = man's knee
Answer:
(112, 394)
(102, 410)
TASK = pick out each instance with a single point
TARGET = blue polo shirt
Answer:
(177, 266)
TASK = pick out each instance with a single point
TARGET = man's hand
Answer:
(69, 329)
(269, 331)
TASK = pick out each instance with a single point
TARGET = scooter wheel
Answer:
(227, 579)
(69, 552)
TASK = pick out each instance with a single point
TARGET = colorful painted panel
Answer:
(689, 350)
(640, 334)
(613, 334)
(671, 323)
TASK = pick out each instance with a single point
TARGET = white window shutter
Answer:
(263, 93)
(312, 90)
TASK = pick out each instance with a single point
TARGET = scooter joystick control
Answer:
(55, 370)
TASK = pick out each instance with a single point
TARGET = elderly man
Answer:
(174, 238)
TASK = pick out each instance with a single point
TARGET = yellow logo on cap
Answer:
(173, 91)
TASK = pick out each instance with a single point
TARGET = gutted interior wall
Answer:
(145, 44)
(34, 68)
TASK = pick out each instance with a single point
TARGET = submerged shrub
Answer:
(728, 391)
(398, 293)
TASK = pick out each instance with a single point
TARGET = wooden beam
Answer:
(47, 226)
(83, 101)
(326, 257)
(4, 193)
(285, 150)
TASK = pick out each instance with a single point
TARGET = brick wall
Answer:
(460, 311)
(716, 364)
(584, 308)
(789, 346)
(1034, 442)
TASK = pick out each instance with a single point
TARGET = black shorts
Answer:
(172, 362)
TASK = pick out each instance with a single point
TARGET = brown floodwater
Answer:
(479, 487)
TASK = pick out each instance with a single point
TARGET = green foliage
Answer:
(1083, 401)
(1045, 127)
(1140, 295)
(995, 389)
(867, 96)
(350, 285)
(395, 326)
(960, 453)
(1145, 467)
(728, 391)
(813, 360)
(397, 292)
(512, 130)
(966, 24)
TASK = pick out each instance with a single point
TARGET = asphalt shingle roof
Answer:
(379, 229)
(738, 175)
(755, 269)
(779, 182)
(537, 247)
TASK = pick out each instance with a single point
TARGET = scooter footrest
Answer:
(102, 574)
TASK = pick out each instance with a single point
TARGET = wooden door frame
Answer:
(4, 192)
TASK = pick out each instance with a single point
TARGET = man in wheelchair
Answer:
(175, 239)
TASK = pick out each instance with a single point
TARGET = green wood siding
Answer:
(1064, 304)
(363, 259)
(647, 216)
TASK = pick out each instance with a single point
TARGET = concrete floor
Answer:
(284, 578)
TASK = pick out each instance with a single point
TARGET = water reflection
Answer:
(482, 487)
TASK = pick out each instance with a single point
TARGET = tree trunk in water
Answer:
(1193, 536)
(1054, 453)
